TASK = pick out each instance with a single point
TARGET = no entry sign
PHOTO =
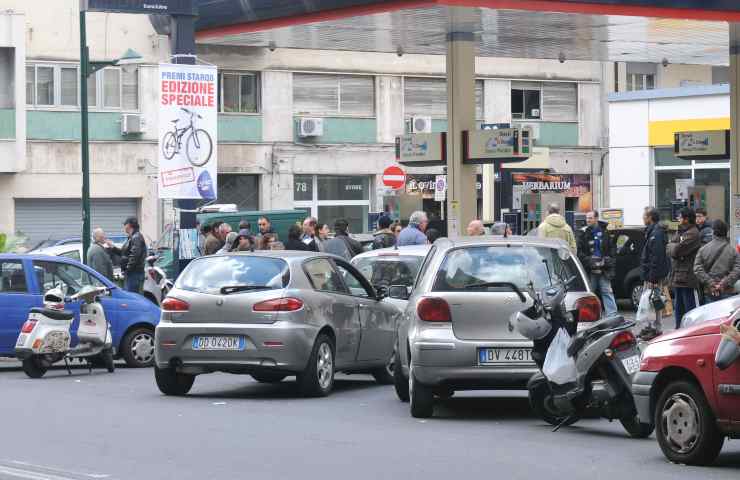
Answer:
(394, 177)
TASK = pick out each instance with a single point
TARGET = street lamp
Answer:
(88, 68)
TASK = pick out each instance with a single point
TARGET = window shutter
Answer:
(559, 102)
(111, 88)
(315, 94)
(130, 89)
(357, 95)
(425, 97)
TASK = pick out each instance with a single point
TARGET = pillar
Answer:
(461, 194)
(735, 138)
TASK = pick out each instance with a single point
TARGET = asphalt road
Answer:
(118, 426)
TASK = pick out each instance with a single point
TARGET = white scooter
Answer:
(45, 337)
(156, 284)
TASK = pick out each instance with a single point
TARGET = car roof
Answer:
(500, 240)
(59, 249)
(37, 256)
(287, 255)
(413, 250)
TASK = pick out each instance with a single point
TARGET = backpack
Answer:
(337, 246)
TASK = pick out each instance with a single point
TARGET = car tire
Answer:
(686, 426)
(267, 377)
(635, 428)
(107, 357)
(538, 401)
(635, 292)
(384, 374)
(137, 347)
(421, 397)
(172, 383)
(400, 382)
(33, 367)
(318, 378)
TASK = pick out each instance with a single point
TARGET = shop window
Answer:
(342, 188)
(303, 188)
(238, 92)
(665, 157)
(526, 100)
(666, 191)
(330, 197)
(320, 94)
(428, 97)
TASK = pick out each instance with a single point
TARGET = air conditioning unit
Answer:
(421, 125)
(131, 123)
(311, 127)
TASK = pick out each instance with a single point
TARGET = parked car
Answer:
(456, 334)
(627, 283)
(25, 278)
(273, 315)
(74, 251)
(693, 404)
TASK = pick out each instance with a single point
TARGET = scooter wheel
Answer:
(107, 356)
(33, 367)
(539, 399)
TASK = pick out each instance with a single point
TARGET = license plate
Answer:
(631, 364)
(494, 356)
(219, 343)
(21, 340)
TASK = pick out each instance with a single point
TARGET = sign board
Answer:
(497, 145)
(187, 132)
(394, 177)
(164, 7)
(613, 216)
(440, 188)
(422, 149)
(714, 144)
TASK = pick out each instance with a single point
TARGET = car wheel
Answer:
(685, 425)
(635, 428)
(267, 377)
(384, 375)
(421, 397)
(635, 294)
(138, 348)
(34, 367)
(540, 402)
(400, 382)
(318, 378)
(107, 357)
(170, 382)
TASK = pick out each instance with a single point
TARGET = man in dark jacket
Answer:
(682, 249)
(342, 244)
(704, 226)
(717, 265)
(384, 237)
(654, 264)
(133, 256)
(597, 256)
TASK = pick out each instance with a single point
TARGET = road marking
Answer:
(30, 471)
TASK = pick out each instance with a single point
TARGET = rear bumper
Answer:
(642, 385)
(475, 377)
(291, 347)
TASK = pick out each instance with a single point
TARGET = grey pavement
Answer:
(118, 426)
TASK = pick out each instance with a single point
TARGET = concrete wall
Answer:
(673, 75)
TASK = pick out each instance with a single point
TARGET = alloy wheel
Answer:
(324, 365)
(681, 423)
(142, 347)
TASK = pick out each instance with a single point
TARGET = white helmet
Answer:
(531, 329)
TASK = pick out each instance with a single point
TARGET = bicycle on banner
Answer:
(198, 145)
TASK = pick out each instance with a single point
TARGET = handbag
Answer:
(657, 300)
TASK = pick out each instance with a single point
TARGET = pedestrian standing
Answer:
(413, 234)
(397, 228)
(245, 225)
(133, 256)
(717, 265)
(704, 226)
(476, 228)
(309, 234)
(596, 253)
(682, 250)
(244, 242)
(324, 232)
(432, 235)
(265, 227)
(230, 242)
(383, 237)
(203, 233)
(555, 226)
(213, 243)
(342, 244)
(294, 239)
(654, 264)
(97, 256)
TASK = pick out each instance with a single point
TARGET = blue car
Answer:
(25, 278)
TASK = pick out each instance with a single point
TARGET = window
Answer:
(31, 85)
(391, 270)
(211, 274)
(12, 277)
(323, 277)
(44, 85)
(111, 88)
(239, 92)
(241, 190)
(640, 81)
(53, 274)
(547, 101)
(428, 97)
(354, 284)
(68, 94)
(319, 94)
(329, 197)
(526, 99)
(73, 254)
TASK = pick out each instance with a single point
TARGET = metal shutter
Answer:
(428, 97)
(357, 95)
(559, 102)
(315, 94)
(41, 219)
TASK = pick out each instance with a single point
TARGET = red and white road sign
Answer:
(394, 177)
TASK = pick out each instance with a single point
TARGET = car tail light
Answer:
(623, 341)
(28, 326)
(170, 304)
(287, 304)
(589, 309)
(432, 309)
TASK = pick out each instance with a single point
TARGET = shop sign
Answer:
(569, 185)
(168, 7)
(422, 149)
(613, 216)
(422, 185)
(702, 145)
(489, 146)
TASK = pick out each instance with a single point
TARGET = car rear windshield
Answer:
(211, 274)
(390, 270)
(464, 267)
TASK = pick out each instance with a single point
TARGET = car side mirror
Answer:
(728, 350)
(381, 292)
(398, 292)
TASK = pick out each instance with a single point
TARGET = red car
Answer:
(693, 404)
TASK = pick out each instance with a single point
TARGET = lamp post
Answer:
(88, 68)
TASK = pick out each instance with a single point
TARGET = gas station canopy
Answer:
(679, 31)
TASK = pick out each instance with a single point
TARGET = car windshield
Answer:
(463, 268)
(211, 274)
(389, 270)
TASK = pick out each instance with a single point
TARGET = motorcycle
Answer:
(156, 284)
(604, 354)
(45, 337)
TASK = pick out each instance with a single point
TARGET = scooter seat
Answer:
(584, 335)
(54, 314)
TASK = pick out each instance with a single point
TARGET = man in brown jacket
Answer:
(682, 250)
(717, 265)
(213, 242)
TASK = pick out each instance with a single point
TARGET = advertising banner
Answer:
(702, 145)
(422, 149)
(188, 118)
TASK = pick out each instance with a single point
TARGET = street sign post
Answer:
(394, 177)
(440, 188)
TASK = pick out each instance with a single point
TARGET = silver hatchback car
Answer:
(273, 315)
(455, 334)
